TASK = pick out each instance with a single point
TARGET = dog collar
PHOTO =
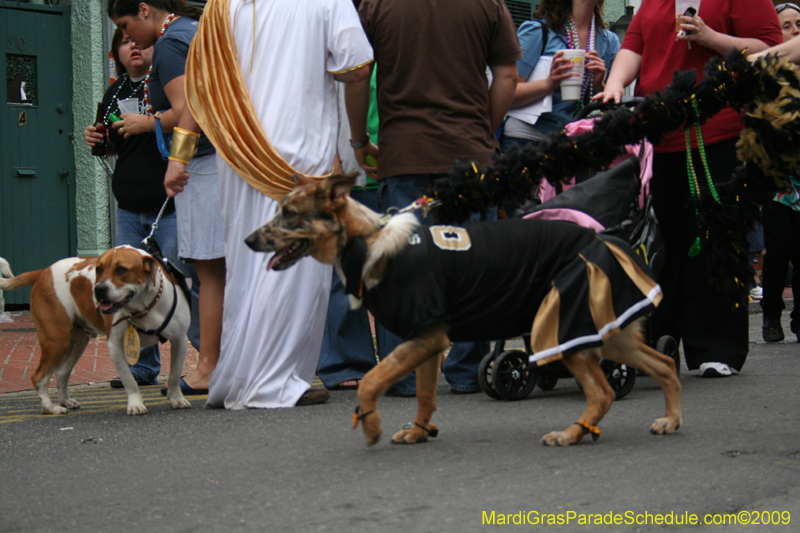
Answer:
(154, 302)
(154, 332)
(157, 332)
(149, 307)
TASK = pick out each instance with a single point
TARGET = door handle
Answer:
(64, 174)
(25, 172)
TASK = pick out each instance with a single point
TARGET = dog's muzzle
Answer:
(288, 256)
(106, 306)
(284, 257)
(253, 241)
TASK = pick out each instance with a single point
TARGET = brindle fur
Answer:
(325, 218)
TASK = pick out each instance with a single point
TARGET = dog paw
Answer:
(372, 428)
(71, 404)
(559, 438)
(664, 426)
(54, 410)
(139, 409)
(372, 440)
(180, 403)
(413, 434)
(405, 437)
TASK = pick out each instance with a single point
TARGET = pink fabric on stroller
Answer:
(568, 215)
(547, 191)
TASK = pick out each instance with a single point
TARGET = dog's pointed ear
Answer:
(336, 187)
(300, 180)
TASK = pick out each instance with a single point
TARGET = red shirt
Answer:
(652, 35)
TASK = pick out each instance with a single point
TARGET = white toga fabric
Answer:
(273, 321)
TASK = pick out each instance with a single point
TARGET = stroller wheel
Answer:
(485, 372)
(669, 347)
(545, 379)
(620, 377)
(513, 377)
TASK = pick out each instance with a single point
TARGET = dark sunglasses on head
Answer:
(782, 7)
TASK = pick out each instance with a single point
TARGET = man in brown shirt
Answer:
(436, 105)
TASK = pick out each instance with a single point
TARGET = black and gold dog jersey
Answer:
(489, 280)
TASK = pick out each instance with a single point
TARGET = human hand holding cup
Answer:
(571, 86)
(129, 105)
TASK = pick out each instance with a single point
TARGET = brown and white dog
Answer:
(75, 299)
(322, 221)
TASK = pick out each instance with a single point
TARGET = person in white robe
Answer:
(290, 54)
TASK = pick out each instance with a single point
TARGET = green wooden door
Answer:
(37, 165)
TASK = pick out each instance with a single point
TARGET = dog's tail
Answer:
(5, 268)
(15, 282)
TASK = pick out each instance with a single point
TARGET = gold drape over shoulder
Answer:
(220, 102)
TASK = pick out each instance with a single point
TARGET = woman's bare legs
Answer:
(212, 292)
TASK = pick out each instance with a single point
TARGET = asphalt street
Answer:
(304, 469)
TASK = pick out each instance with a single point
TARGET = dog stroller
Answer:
(614, 202)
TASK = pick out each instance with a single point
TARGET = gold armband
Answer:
(184, 145)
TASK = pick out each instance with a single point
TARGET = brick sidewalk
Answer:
(20, 352)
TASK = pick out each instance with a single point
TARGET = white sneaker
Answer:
(756, 293)
(715, 370)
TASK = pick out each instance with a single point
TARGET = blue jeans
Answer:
(132, 228)
(461, 366)
(506, 142)
(347, 350)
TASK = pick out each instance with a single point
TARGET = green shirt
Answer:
(373, 120)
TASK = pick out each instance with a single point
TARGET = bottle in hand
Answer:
(99, 147)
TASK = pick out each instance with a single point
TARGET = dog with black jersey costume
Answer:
(433, 285)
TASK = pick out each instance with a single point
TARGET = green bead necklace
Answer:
(694, 185)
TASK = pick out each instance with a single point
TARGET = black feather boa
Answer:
(767, 94)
